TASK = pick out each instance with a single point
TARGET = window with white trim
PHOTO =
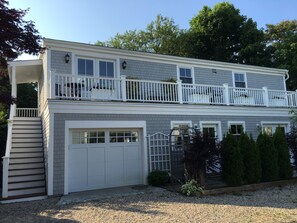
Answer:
(211, 129)
(88, 137)
(123, 136)
(106, 69)
(185, 75)
(236, 129)
(85, 67)
(269, 129)
(239, 80)
(179, 126)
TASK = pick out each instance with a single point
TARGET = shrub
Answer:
(251, 159)
(268, 156)
(292, 141)
(280, 143)
(191, 188)
(158, 178)
(232, 165)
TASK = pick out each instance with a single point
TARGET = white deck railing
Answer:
(65, 86)
(27, 112)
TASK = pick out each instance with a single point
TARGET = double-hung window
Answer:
(236, 128)
(269, 128)
(106, 69)
(239, 80)
(185, 75)
(85, 67)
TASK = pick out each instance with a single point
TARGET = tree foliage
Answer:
(292, 141)
(16, 34)
(232, 164)
(251, 158)
(269, 160)
(282, 37)
(284, 165)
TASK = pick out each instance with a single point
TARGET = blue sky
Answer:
(90, 20)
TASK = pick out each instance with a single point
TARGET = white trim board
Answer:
(104, 125)
(91, 107)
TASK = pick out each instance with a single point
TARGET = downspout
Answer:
(287, 75)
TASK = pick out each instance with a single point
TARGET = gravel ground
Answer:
(271, 205)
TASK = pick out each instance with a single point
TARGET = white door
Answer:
(104, 158)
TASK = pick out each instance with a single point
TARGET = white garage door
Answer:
(104, 158)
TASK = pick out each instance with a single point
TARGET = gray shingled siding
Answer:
(262, 80)
(207, 76)
(149, 70)
(58, 62)
(155, 123)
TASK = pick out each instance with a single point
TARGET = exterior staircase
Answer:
(26, 171)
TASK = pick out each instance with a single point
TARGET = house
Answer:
(104, 114)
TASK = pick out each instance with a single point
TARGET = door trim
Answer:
(104, 125)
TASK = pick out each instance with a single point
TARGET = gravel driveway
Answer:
(271, 205)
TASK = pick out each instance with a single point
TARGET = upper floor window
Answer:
(85, 67)
(236, 129)
(106, 69)
(239, 80)
(185, 75)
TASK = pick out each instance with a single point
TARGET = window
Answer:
(180, 126)
(85, 67)
(88, 137)
(123, 136)
(106, 69)
(211, 128)
(269, 129)
(239, 80)
(209, 131)
(236, 130)
(185, 75)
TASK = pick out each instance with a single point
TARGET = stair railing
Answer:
(7, 155)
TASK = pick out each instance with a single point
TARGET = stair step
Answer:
(26, 191)
(18, 166)
(26, 150)
(26, 131)
(26, 122)
(25, 172)
(25, 155)
(26, 160)
(22, 185)
(26, 144)
(24, 140)
(25, 178)
(26, 135)
(26, 118)
(26, 126)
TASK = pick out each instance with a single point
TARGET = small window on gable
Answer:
(239, 80)
(85, 67)
(185, 75)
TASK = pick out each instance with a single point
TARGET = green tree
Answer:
(284, 165)
(282, 37)
(269, 160)
(223, 34)
(161, 36)
(232, 164)
(251, 158)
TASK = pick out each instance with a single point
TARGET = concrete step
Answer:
(26, 131)
(25, 172)
(24, 140)
(26, 150)
(17, 166)
(26, 135)
(26, 145)
(26, 178)
(29, 184)
(26, 191)
(25, 155)
(26, 160)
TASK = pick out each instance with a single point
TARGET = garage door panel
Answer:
(132, 152)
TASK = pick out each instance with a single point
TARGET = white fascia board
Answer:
(128, 54)
(86, 107)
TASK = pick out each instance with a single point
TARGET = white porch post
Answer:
(265, 96)
(123, 87)
(13, 89)
(179, 91)
(226, 94)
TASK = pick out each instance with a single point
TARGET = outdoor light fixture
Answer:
(67, 58)
(124, 65)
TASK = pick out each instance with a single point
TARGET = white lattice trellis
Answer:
(159, 152)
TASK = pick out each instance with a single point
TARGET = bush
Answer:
(269, 160)
(251, 159)
(280, 143)
(157, 178)
(292, 142)
(191, 188)
(232, 164)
